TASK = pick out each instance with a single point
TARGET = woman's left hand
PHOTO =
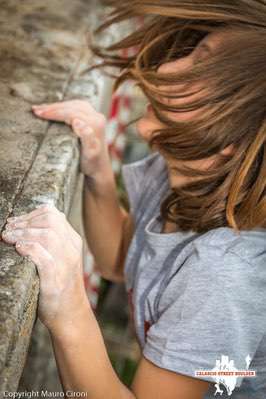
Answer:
(46, 237)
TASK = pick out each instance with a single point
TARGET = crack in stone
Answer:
(69, 80)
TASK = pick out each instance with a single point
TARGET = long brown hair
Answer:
(232, 192)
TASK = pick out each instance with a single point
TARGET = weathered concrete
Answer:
(43, 53)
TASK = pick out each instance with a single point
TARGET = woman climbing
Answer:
(192, 249)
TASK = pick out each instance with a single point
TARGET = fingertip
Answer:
(39, 105)
(19, 248)
(22, 246)
(38, 111)
(35, 109)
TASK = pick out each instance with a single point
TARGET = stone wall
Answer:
(43, 56)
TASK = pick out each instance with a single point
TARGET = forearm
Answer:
(103, 221)
(83, 361)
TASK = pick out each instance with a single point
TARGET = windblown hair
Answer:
(231, 192)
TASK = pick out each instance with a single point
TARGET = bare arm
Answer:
(85, 367)
(108, 227)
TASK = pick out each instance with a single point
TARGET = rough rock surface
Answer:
(43, 54)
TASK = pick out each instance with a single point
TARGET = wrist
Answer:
(66, 323)
(97, 165)
(100, 183)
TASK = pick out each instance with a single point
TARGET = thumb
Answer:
(40, 257)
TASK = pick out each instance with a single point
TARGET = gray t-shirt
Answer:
(198, 300)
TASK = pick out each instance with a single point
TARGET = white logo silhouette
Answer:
(229, 381)
(248, 360)
(226, 373)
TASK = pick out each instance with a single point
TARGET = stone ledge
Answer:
(43, 56)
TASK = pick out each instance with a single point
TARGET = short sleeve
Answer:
(222, 312)
(142, 179)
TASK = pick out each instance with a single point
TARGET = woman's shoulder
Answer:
(152, 163)
(248, 246)
(220, 264)
(145, 181)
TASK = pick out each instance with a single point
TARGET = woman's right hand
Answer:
(88, 125)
